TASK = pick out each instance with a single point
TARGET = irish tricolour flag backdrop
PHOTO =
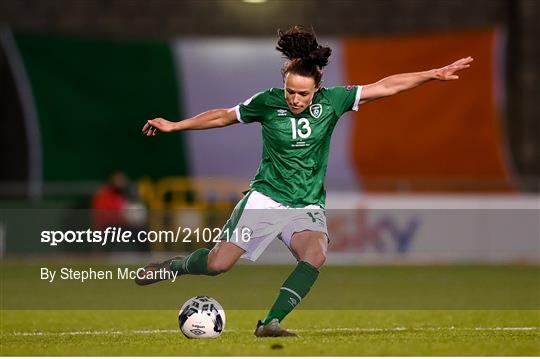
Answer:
(85, 100)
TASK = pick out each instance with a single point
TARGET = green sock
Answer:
(195, 263)
(293, 290)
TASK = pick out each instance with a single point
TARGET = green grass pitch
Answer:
(360, 310)
(321, 332)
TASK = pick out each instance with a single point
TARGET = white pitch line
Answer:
(319, 330)
(401, 329)
(95, 332)
(154, 331)
(526, 328)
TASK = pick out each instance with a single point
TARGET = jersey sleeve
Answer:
(252, 110)
(345, 98)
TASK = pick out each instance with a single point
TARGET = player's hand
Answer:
(449, 72)
(151, 127)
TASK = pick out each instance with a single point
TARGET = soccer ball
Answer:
(201, 317)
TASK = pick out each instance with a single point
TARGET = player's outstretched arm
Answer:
(209, 119)
(396, 83)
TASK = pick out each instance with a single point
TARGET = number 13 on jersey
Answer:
(301, 128)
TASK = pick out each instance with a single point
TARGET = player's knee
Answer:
(217, 267)
(319, 260)
(316, 259)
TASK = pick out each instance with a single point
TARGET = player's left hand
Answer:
(448, 72)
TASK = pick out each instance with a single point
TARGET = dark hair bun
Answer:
(301, 43)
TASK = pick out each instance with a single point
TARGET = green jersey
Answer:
(296, 146)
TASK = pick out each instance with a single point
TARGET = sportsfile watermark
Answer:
(377, 258)
(51, 275)
(112, 235)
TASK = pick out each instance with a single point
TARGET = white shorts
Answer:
(257, 220)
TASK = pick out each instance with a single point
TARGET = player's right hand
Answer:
(151, 127)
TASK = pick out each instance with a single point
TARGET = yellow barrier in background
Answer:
(185, 204)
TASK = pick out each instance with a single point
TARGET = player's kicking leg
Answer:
(201, 262)
(154, 272)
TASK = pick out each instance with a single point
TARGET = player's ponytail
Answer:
(305, 56)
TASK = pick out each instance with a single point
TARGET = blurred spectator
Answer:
(110, 201)
(113, 206)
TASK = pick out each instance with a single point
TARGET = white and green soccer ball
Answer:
(201, 317)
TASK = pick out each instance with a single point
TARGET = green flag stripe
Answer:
(93, 97)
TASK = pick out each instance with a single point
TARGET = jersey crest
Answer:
(315, 110)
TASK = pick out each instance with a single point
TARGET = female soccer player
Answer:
(297, 122)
